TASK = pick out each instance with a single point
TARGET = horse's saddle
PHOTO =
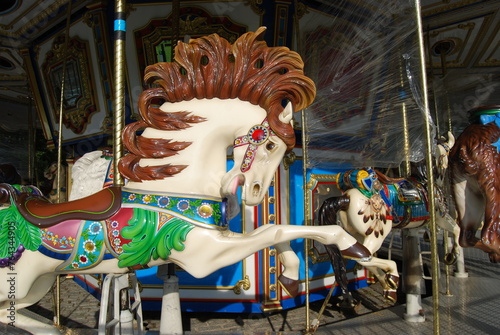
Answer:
(410, 192)
(38, 210)
(360, 179)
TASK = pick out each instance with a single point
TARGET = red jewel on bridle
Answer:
(257, 135)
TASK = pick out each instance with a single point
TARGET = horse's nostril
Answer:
(256, 189)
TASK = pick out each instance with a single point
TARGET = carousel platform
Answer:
(471, 307)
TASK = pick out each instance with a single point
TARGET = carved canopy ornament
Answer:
(79, 97)
(210, 67)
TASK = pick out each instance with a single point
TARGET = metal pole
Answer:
(57, 316)
(436, 114)
(61, 105)
(31, 142)
(307, 217)
(406, 136)
(432, 212)
(119, 101)
(307, 214)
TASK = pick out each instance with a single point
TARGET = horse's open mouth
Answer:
(237, 181)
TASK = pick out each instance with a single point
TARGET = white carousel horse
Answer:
(373, 204)
(94, 170)
(172, 210)
(474, 165)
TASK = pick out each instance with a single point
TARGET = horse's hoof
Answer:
(357, 252)
(450, 258)
(291, 286)
(392, 281)
(349, 304)
(391, 296)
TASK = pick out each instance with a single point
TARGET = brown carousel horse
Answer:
(475, 166)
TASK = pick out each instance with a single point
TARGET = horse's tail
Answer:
(328, 216)
(329, 209)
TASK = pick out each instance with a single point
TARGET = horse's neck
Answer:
(206, 164)
(206, 157)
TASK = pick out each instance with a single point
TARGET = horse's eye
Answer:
(270, 145)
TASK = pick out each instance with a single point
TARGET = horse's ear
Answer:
(287, 113)
(451, 139)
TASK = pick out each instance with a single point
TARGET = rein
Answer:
(256, 136)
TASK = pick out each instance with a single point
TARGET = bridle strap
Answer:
(256, 136)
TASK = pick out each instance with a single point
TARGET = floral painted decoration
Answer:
(198, 211)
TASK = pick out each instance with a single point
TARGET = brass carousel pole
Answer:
(406, 137)
(437, 121)
(57, 316)
(432, 212)
(119, 91)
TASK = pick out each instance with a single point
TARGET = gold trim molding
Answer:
(242, 284)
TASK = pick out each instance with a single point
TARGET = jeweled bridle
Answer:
(256, 136)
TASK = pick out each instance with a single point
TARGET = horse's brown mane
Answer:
(473, 152)
(210, 67)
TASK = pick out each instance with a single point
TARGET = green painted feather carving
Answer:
(15, 230)
(147, 243)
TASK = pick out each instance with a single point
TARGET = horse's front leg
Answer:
(387, 273)
(447, 223)
(289, 278)
(490, 234)
(385, 270)
(286, 255)
(470, 206)
(209, 250)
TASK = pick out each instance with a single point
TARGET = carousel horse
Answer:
(94, 171)
(173, 209)
(474, 166)
(372, 204)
